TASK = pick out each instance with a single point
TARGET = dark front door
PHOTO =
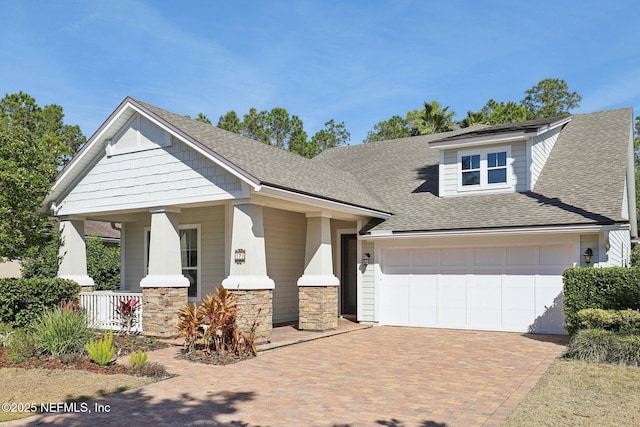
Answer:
(348, 290)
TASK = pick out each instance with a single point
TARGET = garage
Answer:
(509, 288)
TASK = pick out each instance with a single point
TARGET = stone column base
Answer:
(160, 310)
(318, 308)
(86, 288)
(255, 305)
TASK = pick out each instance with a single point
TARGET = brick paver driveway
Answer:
(378, 376)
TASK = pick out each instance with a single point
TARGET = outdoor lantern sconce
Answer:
(588, 254)
(365, 258)
(240, 256)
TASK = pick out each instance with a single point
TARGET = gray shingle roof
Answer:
(581, 183)
(270, 165)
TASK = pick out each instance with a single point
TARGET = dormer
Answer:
(496, 159)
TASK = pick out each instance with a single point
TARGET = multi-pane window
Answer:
(497, 167)
(484, 169)
(471, 170)
(188, 256)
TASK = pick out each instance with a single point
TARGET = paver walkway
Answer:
(377, 376)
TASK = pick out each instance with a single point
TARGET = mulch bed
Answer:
(214, 358)
(124, 345)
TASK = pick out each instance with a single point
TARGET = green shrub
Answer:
(101, 351)
(635, 256)
(5, 333)
(22, 300)
(611, 288)
(61, 331)
(21, 346)
(138, 359)
(591, 345)
(103, 263)
(602, 346)
(613, 320)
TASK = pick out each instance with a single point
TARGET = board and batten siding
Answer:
(212, 234)
(541, 147)
(148, 177)
(285, 241)
(368, 313)
(519, 168)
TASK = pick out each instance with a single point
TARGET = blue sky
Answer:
(354, 61)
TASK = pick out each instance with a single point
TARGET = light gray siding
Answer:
(450, 173)
(619, 248)
(540, 149)
(212, 234)
(368, 286)
(519, 155)
(146, 178)
(285, 240)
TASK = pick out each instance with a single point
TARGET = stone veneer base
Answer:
(160, 310)
(318, 308)
(255, 305)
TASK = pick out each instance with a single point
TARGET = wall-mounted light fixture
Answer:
(365, 258)
(240, 256)
(588, 254)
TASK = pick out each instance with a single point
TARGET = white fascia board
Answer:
(320, 202)
(571, 229)
(96, 144)
(459, 143)
(499, 138)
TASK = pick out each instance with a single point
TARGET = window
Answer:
(497, 167)
(189, 255)
(471, 170)
(484, 169)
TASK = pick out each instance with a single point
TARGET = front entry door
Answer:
(348, 279)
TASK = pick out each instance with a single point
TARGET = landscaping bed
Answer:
(124, 344)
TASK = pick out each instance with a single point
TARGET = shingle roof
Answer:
(581, 183)
(273, 166)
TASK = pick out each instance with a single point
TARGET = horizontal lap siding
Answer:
(619, 248)
(212, 231)
(285, 240)
(540, 150)
(519, 155)
(368, 287)
(450, 178)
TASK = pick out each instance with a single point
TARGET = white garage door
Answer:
(516, 289)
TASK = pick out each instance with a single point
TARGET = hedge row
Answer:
(625, 321)
(611, 288)
(21, 300)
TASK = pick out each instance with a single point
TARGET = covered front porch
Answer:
(284, 265)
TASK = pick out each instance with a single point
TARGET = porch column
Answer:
(164, 289)
(318, 287)
(248, 278)
(73, 252)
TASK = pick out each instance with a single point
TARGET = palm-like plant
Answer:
(220, 312)
(190, 325)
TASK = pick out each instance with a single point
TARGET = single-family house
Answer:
(469, 229)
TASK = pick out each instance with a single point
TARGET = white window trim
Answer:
(199, 248)
(484, 186)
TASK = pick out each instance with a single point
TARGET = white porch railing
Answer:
(101, 309)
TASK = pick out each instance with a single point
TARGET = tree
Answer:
(230, 121)
(202, 118)
(280, 129)
(474, 118)
(431, 119)
(549, 98)
(44, 124)
(333, 135)
(34, 144)
(504, 112)
(394, 128)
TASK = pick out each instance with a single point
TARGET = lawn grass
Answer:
(574, 393)
(57, 386)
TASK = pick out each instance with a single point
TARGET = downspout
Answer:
(631, 186)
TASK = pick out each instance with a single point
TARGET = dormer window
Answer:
(484, 169)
